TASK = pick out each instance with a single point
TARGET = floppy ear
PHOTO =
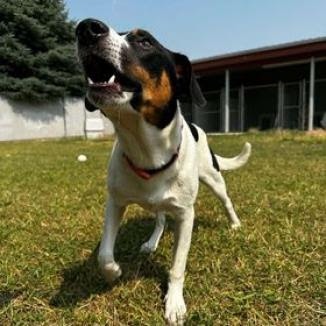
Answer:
(89, 106)
(187, 83)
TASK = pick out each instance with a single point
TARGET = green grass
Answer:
(271, 272)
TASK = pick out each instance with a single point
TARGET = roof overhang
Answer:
(264, 57)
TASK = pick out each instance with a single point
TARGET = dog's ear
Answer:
(187, 82)
(89, 106)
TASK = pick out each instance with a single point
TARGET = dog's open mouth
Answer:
(102, 76)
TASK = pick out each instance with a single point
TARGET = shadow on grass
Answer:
(6, 296)
(83, 279)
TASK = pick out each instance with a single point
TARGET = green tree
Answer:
(37, 51)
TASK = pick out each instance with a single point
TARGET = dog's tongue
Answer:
(115, 87)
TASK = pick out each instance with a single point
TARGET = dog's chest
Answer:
(145, 193)
(155, 195)
(168, 190)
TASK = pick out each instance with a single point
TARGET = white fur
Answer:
(235, 162)
(112, 47)
(171, 191)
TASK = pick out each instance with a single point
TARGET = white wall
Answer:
(20, 120)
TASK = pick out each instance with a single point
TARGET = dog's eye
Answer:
(145, 44)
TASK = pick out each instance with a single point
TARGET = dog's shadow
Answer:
(83, 279)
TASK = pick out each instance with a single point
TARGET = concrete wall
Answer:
(20, 120)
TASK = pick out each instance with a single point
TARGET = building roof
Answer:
(270, 55)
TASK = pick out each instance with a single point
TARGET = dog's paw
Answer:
(111, 272)
(147, 247)
(175, 309)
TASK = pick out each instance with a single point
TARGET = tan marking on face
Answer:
(156, 93)
(135, 31)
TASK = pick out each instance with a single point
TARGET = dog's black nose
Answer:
(90, 30)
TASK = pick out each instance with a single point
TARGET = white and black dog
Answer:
(158, 159)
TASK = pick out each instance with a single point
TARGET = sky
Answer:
(206, 28)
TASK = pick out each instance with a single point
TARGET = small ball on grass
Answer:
(82, 158)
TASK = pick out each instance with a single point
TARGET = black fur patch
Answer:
(89, 106)
(194, 131)
(215, 163)
(154, 59)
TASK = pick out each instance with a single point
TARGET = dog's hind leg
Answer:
(151, 245)
(214, 180)
(110, 269)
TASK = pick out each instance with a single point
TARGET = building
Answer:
(281, 86)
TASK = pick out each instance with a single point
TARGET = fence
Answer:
(62, 118)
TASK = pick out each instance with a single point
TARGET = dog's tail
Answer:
(234, 162)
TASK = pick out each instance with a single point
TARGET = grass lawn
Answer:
(270, 272)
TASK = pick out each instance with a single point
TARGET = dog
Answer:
(158, 158)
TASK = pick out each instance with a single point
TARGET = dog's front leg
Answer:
(175, 308)
(109, 268)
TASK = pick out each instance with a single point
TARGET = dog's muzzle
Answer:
(100, 52)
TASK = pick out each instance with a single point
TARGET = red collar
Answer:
(148, 173)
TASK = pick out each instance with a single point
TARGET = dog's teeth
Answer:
(111, 81)
(90, 81)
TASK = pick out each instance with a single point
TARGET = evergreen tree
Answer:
(37, 51)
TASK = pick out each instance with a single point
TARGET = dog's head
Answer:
(133, 71)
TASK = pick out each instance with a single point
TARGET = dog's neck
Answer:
(147, 146)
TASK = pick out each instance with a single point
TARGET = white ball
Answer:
(82, 158)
